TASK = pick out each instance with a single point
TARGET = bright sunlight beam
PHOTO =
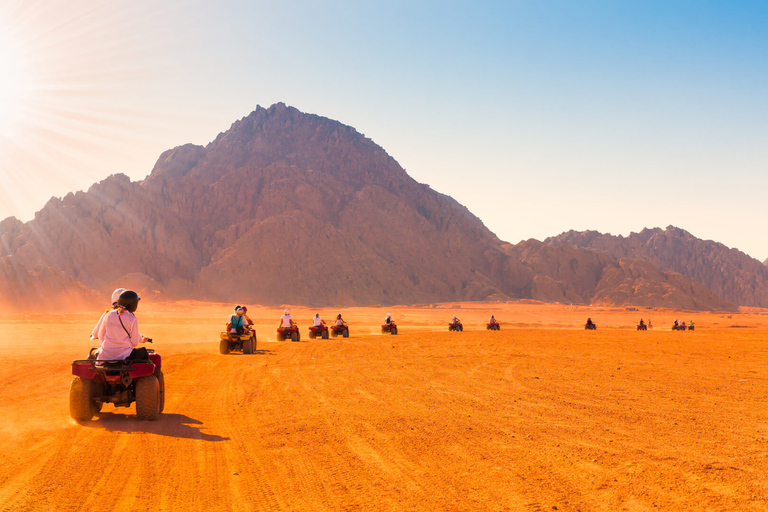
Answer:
(15, 85)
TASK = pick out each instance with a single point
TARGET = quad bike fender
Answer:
(88, 369)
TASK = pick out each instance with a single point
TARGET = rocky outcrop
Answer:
(729, 273)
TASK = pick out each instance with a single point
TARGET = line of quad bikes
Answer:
(644, 327)
(141, 381)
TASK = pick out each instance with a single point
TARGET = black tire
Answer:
(248, 346)
(280, 336)
(311, 335)
(325, 334)
(383, 331)
(334, 333)
(345, 333)
(148, 398)
(224, 346)
(393, 330)
(461, 328)
(81, 399)
(294, 336)
(161, 383)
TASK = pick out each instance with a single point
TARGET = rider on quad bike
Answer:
(455, 325)
(238, 322)
(493, 324)
(287, 328)
(117, 371)
(318, 328)
(340, 327)
(590, 325)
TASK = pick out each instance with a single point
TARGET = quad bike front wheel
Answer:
(81, 399)
(148, 398)
(161, 383)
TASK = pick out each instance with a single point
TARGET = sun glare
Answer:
(15, 85)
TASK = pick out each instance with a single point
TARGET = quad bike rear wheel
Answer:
(161, 383)
(224, 346)
(393, 330)
(334, 333)
(81, 399)
(312, 335)
(345, 333)
(147, 398)
(248, 346)
(280, 336)
(324, 335)
(294, 336)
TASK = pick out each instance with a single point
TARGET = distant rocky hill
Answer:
(287, 207)
(766, 262)
(729, 273)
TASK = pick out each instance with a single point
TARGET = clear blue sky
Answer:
(539, 116)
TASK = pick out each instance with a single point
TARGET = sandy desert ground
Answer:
(540, 416)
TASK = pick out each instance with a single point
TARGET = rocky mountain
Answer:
(766, 262)
(562, 273)
(729, 273)
(284, 207)
(293, 208)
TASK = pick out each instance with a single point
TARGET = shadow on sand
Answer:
(170, 425)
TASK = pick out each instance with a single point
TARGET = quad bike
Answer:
(390, 328)
(340, 329)
(230, 341)
(318, 330)
(455, 326)
(493, 327)
(680, 327)
(590, 327)
(642, 327)
(120, 382)
(292, 333)
(690, 328)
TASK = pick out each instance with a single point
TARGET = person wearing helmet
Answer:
(119, 331)
(286, 321)
(115, 297)
(492, 321)
(340, 321)
(318, 321)
(237, 322)
(388, 320)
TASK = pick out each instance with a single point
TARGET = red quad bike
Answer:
(229, 341)
(455, 326)
(340, 329)
(118, 382)
(318, 330)
(390, 328)
(642, 327)
(590, 327)
(292, 333)
(680, 327)
(493, 327)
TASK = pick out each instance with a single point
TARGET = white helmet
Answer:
(116, 294)
(286, 311)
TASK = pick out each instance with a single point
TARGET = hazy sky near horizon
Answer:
(539, 116)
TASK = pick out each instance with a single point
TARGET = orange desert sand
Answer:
(540, 416)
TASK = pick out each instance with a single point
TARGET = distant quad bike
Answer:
(288, 333)
(690, 328)
(680, 327)
(390, 328)
(642, 327)
(493, 327)
(229, 341)
(318, 330)
(340, 329)
(590, 327)
(455, 326)
(118, 382)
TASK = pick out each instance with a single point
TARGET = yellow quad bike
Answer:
(229, 341)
